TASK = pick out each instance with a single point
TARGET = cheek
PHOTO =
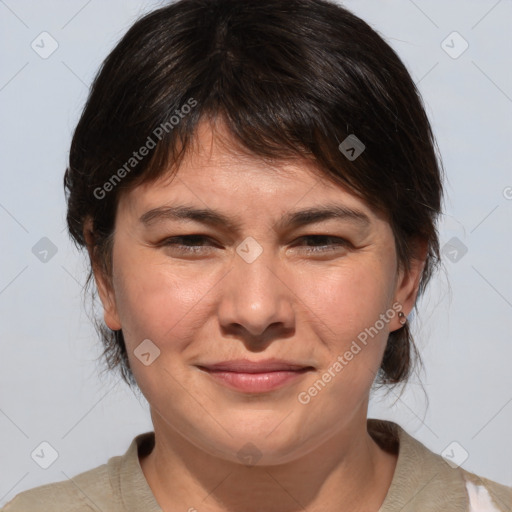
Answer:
(166, 306)
(347, 307)
(345, 310)
(159, 302)
(349, 300)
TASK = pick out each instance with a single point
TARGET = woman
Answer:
(257, 186)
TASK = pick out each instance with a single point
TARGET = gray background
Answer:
(50, 390)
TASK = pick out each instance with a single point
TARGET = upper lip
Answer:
(247, 366)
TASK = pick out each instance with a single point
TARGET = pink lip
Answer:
(255, 377)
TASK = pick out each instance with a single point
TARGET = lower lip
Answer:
(256, 382)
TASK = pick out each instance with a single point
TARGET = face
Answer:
(311, 296)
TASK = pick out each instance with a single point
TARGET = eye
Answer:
(188, 244)
(201, 244)
(324, 243)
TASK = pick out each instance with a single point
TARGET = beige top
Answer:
(423, 482)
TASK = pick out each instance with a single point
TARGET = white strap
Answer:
(479, 498)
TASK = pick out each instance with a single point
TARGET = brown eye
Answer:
(188, 244)
(324, 243)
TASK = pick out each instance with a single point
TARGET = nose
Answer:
(256, 302)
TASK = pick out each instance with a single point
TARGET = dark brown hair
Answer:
(290, 78)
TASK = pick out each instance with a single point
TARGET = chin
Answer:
(258, 446)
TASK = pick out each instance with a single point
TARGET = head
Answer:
(249, 110)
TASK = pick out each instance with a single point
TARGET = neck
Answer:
(349, 471)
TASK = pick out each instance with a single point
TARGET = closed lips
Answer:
(243, 366)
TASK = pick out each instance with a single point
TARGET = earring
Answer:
(401, 318)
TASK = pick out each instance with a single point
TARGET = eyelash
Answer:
(196, 249)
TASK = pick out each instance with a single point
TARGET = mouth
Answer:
(255, 377)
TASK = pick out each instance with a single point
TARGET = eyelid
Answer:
(198, 236)
(338, 242)
(191, 249)
(172, 240)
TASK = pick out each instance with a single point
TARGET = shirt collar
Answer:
(423, 480)
(136, 495)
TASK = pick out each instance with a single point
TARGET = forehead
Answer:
(215, 156)
(218, 174)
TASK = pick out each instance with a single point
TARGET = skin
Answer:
(289, 303)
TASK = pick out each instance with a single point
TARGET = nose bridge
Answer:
(254, 296)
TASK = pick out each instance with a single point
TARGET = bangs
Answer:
(268, 77)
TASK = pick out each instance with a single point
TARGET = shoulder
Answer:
(86, 492)
(427, 481)
(454, 483)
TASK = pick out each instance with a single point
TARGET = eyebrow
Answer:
(290, 220)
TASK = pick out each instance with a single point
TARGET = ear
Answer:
(103, 282)
(408, 281)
